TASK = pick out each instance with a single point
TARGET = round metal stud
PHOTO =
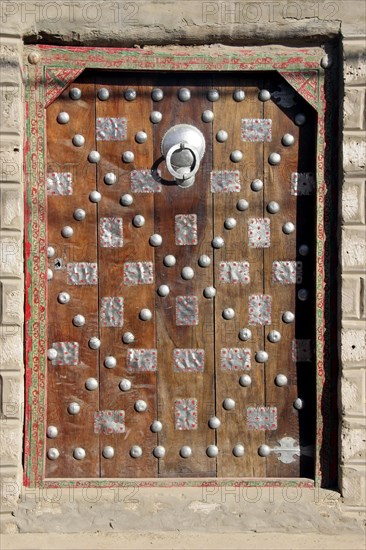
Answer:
(245, 380)
(325, 61)
(126, 200)
(303, 294)
(228, 313)
(163, 290)
(94, 157)
(155, 240)
(91, 384)
(156, 117)
(239, 95)
(170, 260)
(264, 450)
(125, 384)
(63, 117)
(281, 380)
(79, 214)
(141, 137)
(95, 196)
(157, 94)
(222, 136)
(138, 221)
(52, 432)
(50, 252)
(156, 426)
(103, 94)
(52, 354)
(78, 320)
(228, 404)
(274, 159)
(287, 140)
(288, 228)
(209, 292)
(207, 116)
(299, 403)
(130, 94)
(236, 156)
(213, 95)
(184, 94)
(242, 205)
(204, 260)
(212, 451)
(49, 274)
(261, 356)
(110, 362)
(185, 451)
(304, 250)
(67, 232)
(214, 423)
(136, 451)
(218, 242)
(145, 315)
(75, 93)
(288, 317)
(79, 453)
(159, 451)
(245, 334)
(274, 336)
(187, 273)
(230, 223)
(273, 207)
(140, 405)
(34, 57)
(264, 95)
(53, 453)
(300, 119)
(94, 342)
(73, 408)
(128, 338)
(238, 450)
(110, 178)
(63, 298)
(256, 185)
(108, 452)
(128, 156)
(78, 140)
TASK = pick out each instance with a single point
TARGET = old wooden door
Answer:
(180, 320)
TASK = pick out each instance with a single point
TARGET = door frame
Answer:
(48, 71)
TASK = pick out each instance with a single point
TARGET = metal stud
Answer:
(209, 292)
(50, 252)
(242, 205)
(184, 94)
(103, 94)
(75, 93)
(110, 362)
(141, 137)
(256, 185)
(185, 451)
(125, 384)
(288, 228)
(300, 119)
(163, 290)
(110, 178)
(49, 274)
(213, 95)
(274, 159)
(228, 313)
(156, 426)
(325, 61)
(281, 380)
(274, 336)
(78, 320)
(214, 423)
(126, 200)
(79, 453)
(228, 404)
(108, 452)
(156, 117)
(230, 223)
(264, 95)
(128, 338)
(94, 342)
(218, 242)
(261, 356)
(207, 116)
(238, 450)
(273, 207)
(130, 94)
(95, 196)
(304, 250)
(288, 317)
(52, 432)
(63, 118)
(236, 156)
(53, 453)
(91, 384)
(298, 404)
(157, 94)
(79, 214)
(73, 408)
(78, 140)
(264, 450)
(204, 260)
(145, 315)
(187, 273)
(222, 136)
(136, 451)
(128, 156)
(63, 298)
(303, 294)
(159, 451)
(155, 240)
(140, 405)
(245, 380)
(239, 95)
(245, 334)
(170, 260)
(67, 232)
(212, 451)
(138, 221)
(94, 157)
(287, 140)
(51, 354)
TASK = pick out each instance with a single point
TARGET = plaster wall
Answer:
(140, 23)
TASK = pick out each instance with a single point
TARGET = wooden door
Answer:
(180, 320)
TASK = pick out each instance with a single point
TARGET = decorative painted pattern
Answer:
(185, 412)
(109, 422)
(59, 183)
(111, 232)
(186, 310)
(287, 272)
(256, 129)
(67, 353)
(82, 273)
(259, 232)
(262, 418)
(260, 309)
(111, 314)
(186, 229)
(138, 273)
(189, 360)
(235, 359)
(234, 272)
(287, 450)
(142, 360)
(302, 350)
(302, 183)
(142, 181)
(225, 181)
(111, 129)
